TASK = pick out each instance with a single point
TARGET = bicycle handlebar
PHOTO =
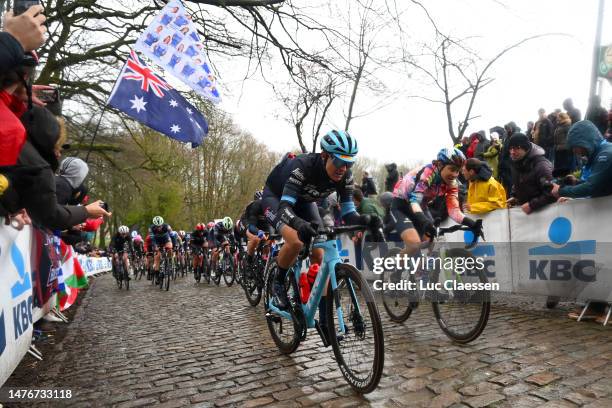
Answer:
(476, 233)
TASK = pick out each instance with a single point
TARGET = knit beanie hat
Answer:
(519, 140)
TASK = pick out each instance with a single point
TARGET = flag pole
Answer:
(95, 133)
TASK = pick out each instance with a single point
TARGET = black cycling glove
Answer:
(424, 224)
(304, 229)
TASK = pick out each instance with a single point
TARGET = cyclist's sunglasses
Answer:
(338, 162)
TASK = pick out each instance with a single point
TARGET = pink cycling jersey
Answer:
(428, 187)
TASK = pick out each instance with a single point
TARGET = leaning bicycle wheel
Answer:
(239, 261)
(252, 281)
(206, 267)
(228, 270)
(197, 273)
(462, 314)
(359, 349)
(216, 267)
(398, 303)
(285, 331)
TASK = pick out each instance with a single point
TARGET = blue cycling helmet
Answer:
(451, 155)
(340, 144)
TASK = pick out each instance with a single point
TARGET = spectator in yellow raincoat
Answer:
(484, 192)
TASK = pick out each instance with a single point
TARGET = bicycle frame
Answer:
(331, 258)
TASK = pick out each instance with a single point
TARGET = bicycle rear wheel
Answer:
(461, 314)
(252, 282)
(285, 331)
(197, 273)
(359, 350)
(228, 270)
(206, 267)
(398, 303)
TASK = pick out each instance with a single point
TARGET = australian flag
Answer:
(147, 98)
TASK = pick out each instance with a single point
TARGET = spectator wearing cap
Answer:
(484, 192)
(531, 175)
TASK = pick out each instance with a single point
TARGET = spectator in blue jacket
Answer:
(586, 141)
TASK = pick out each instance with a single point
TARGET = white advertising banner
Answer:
(91, 265)
(15, 298)
(564, 250)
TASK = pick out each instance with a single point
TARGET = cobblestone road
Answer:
(205, 346)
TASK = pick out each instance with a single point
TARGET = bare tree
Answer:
(308, 97)
(456, 71)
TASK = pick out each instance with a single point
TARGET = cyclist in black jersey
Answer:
(199, 239)
(160, 237)
(289, 201)
(222, 233)
(256, 226)
(121, 245)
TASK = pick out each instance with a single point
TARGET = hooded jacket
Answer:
(69, 183)
(485, 193)
(532, 179)
(599, 162)
(37, 194)
(482, 146)
(392, 177)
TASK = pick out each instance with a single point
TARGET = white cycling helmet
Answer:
(157, 220)
(181, 233)
(227, 223)
(134, 234)
(123, 229)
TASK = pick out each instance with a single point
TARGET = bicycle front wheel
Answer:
(359, 347)
(217, 269)
(228, 270)
(398, 303)
(461, 314)
(285, 330)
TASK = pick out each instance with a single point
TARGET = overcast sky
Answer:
(541, 73)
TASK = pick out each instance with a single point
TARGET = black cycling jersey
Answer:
(161, 232)
(199, 237)
(220, 234)
(119, 242)
(253, 217)
(294, 186)
(304, 178)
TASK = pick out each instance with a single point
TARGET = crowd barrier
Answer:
(563, 250)
(32, 277)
